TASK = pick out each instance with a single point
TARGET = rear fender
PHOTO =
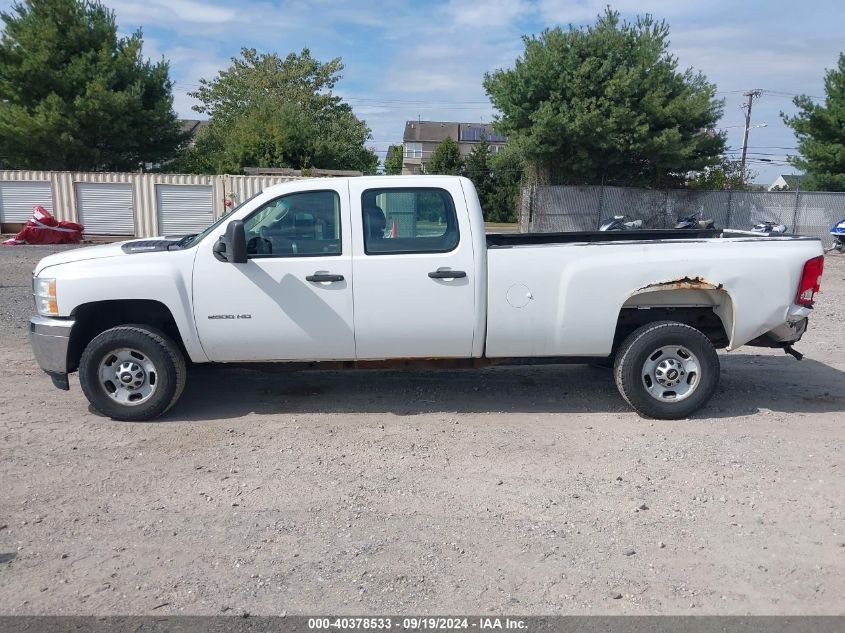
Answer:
(687, 292)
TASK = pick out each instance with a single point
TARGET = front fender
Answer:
(163, 277)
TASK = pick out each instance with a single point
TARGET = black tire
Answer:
(642, 346)
(166, 380)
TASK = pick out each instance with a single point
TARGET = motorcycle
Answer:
(768, 227)
(693, 222)
(838, 233)
(621, 223)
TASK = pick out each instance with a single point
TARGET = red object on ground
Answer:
(43, 228)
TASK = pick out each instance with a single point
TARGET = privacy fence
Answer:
(126, 204)
(546, 209)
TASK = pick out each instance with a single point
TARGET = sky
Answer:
(426, 59)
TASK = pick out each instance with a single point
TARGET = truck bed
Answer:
(557, 294)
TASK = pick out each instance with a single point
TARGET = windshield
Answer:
(192, 240)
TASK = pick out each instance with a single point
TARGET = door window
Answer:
(419, 220)
(300, 224)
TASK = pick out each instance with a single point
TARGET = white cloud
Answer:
(183, 104)
(191, 11)
(578, 11)
(473, 13)
(422, 81)
(172, 12)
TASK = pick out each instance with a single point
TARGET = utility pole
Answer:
(752, 95)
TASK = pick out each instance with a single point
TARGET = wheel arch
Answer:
(96, 317)
(693, 301)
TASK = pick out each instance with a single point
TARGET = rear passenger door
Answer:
(414, 282)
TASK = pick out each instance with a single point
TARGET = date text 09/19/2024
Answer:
(416, 623)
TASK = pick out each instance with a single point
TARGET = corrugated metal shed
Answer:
(63, 186)
(184, 209)
(105, 208)
(17, 199)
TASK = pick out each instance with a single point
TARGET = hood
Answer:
(116, 249)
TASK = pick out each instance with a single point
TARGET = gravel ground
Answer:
(525, 490)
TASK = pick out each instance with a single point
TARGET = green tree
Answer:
(393, 160)
(477, 169)
(608, 102)
(507, 170)
(446, 158)
(75, 96)
(820, 130)
(266, 111)
(727, 175)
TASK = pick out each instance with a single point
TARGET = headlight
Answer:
(44, 291)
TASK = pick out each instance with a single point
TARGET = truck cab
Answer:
(328, 277)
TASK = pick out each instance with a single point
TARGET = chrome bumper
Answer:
(50, 339)
(783, 335)
(788, 332)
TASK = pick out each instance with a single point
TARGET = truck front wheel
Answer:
(132, 373)
(666, 370)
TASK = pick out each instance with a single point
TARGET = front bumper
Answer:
(50, 339)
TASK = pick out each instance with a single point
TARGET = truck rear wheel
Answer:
(666, 370)
(132, 373)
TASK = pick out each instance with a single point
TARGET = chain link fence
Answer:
(548, 209)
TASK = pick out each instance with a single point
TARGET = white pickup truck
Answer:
(397, 271)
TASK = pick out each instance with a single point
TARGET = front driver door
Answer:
(292, 300)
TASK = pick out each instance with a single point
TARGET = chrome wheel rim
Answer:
(671, 373)
(128, 376)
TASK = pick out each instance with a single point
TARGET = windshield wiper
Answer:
(183, 242)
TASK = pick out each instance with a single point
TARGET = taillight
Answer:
(811, 279)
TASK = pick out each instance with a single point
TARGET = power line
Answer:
(778, 93)
(761, 147)
(416, 101)
(390, 100)
(757, 153)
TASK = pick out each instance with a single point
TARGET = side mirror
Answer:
(231, 247)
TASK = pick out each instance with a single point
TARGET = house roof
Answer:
(793, 181)
(435, 131)
(192, 126)
(430, 130)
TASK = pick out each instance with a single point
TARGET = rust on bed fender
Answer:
(684, 283)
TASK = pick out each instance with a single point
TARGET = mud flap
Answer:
(60, 381)
(788, 349)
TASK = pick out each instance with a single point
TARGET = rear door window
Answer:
(408, 220)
